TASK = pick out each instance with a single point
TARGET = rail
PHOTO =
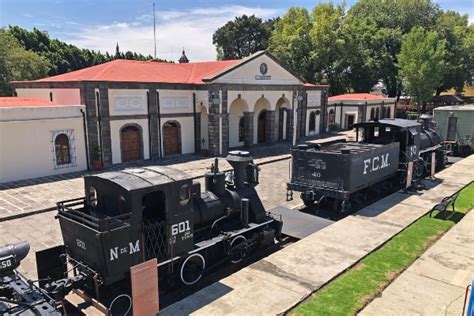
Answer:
(77, 210)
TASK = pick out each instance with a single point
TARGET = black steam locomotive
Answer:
(391, 154)
(130, 216)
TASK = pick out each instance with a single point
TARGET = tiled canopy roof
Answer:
(146, 71)
(14, 102)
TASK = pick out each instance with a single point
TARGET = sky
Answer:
(187, 24)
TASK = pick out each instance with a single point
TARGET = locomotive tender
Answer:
(348, 173)
(133, 215)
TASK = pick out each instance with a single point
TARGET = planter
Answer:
(97, 164)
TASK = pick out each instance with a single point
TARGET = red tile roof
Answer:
(357, 97)
(15, 102)
(146, 71)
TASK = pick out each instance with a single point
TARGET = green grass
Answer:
(352, 290)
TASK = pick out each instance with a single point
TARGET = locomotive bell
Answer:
(239, 160)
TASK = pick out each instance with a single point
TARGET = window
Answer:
(61, 145)
(241, 129)
(312, 122)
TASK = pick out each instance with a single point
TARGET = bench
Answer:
(444, 205)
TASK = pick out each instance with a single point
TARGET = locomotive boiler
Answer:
(130, 216)
(388, 154)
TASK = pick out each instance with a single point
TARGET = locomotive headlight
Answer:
(184, 194)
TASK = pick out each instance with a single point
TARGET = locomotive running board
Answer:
(298, 224)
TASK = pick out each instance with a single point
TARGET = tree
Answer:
(242, 37)
(291, 44)
(453, 27)
(17, 63)
(393, 19)
(421, 63)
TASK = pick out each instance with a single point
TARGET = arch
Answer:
(281, 118)
(331, 117)
(262, 126)
(204, 128)
(236, 117)
(171, 138)
(62, 149)
(261, 105)
(372, 113)
(312, 121)
(131, 143)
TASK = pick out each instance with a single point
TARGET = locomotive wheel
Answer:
(336, 205)
(192, 269)
(237, 249)
(307, 202)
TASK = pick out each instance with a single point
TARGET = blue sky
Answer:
(180, 23)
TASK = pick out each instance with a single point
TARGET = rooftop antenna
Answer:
(154, 30)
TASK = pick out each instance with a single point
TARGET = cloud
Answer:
(191, 29)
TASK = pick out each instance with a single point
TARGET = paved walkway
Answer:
(436, 283)
(282, 280)
(28, 197)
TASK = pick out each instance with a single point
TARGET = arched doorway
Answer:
(131, 143)
(237, 122)
(262, 123)
(281, 118)
(204, 129)
(171, 138)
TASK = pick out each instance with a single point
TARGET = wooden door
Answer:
(171, 139)
(261, 127)
(131, 143)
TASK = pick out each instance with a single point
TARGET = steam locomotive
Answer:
(134, 215)
(391, 154)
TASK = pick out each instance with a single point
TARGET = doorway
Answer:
(262, 119)
(171, 138)
(130, 141)
(350, 118)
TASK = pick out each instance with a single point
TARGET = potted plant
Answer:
(96, 156)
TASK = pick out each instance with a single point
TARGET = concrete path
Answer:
(436, 283)
(283, 279)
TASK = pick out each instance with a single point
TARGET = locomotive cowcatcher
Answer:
(388, 154)
(130, 216)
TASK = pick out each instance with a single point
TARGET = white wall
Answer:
(60, 96)
(27, 142)
(187, 133)
(115, 127)
(127, 102)
(177, 101)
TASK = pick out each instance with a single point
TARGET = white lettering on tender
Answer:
(113, 254)
(135, 248)
(376, 163)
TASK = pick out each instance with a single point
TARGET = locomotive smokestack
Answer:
(239, 160)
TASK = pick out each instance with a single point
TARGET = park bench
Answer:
(443, 206)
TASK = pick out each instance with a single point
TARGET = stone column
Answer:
(88, 95)
(213, 121)
(198, 133)
(270, 135)
(248, 128)
(153, 124)
(105, 126)
(290, 125)
(225, 122)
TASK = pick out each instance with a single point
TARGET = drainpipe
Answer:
(149, 123)
(195, 123)
(159, 123)
(84, 125)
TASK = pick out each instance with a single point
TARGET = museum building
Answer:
(147, 109)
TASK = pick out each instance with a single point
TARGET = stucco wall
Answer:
(60, 96)
(27, 145)
(176, 101)
(115, 127)
(127, 102)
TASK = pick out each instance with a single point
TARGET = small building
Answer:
(147, 109)
(347, 109)
(455, 126)
(40, 138)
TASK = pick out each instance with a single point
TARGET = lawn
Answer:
(352, 290)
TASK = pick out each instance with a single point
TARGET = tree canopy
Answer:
(17, 63)
(421, 62)
(242, 37)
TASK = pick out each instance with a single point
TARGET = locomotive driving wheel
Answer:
(192, 269)
(238, 249)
